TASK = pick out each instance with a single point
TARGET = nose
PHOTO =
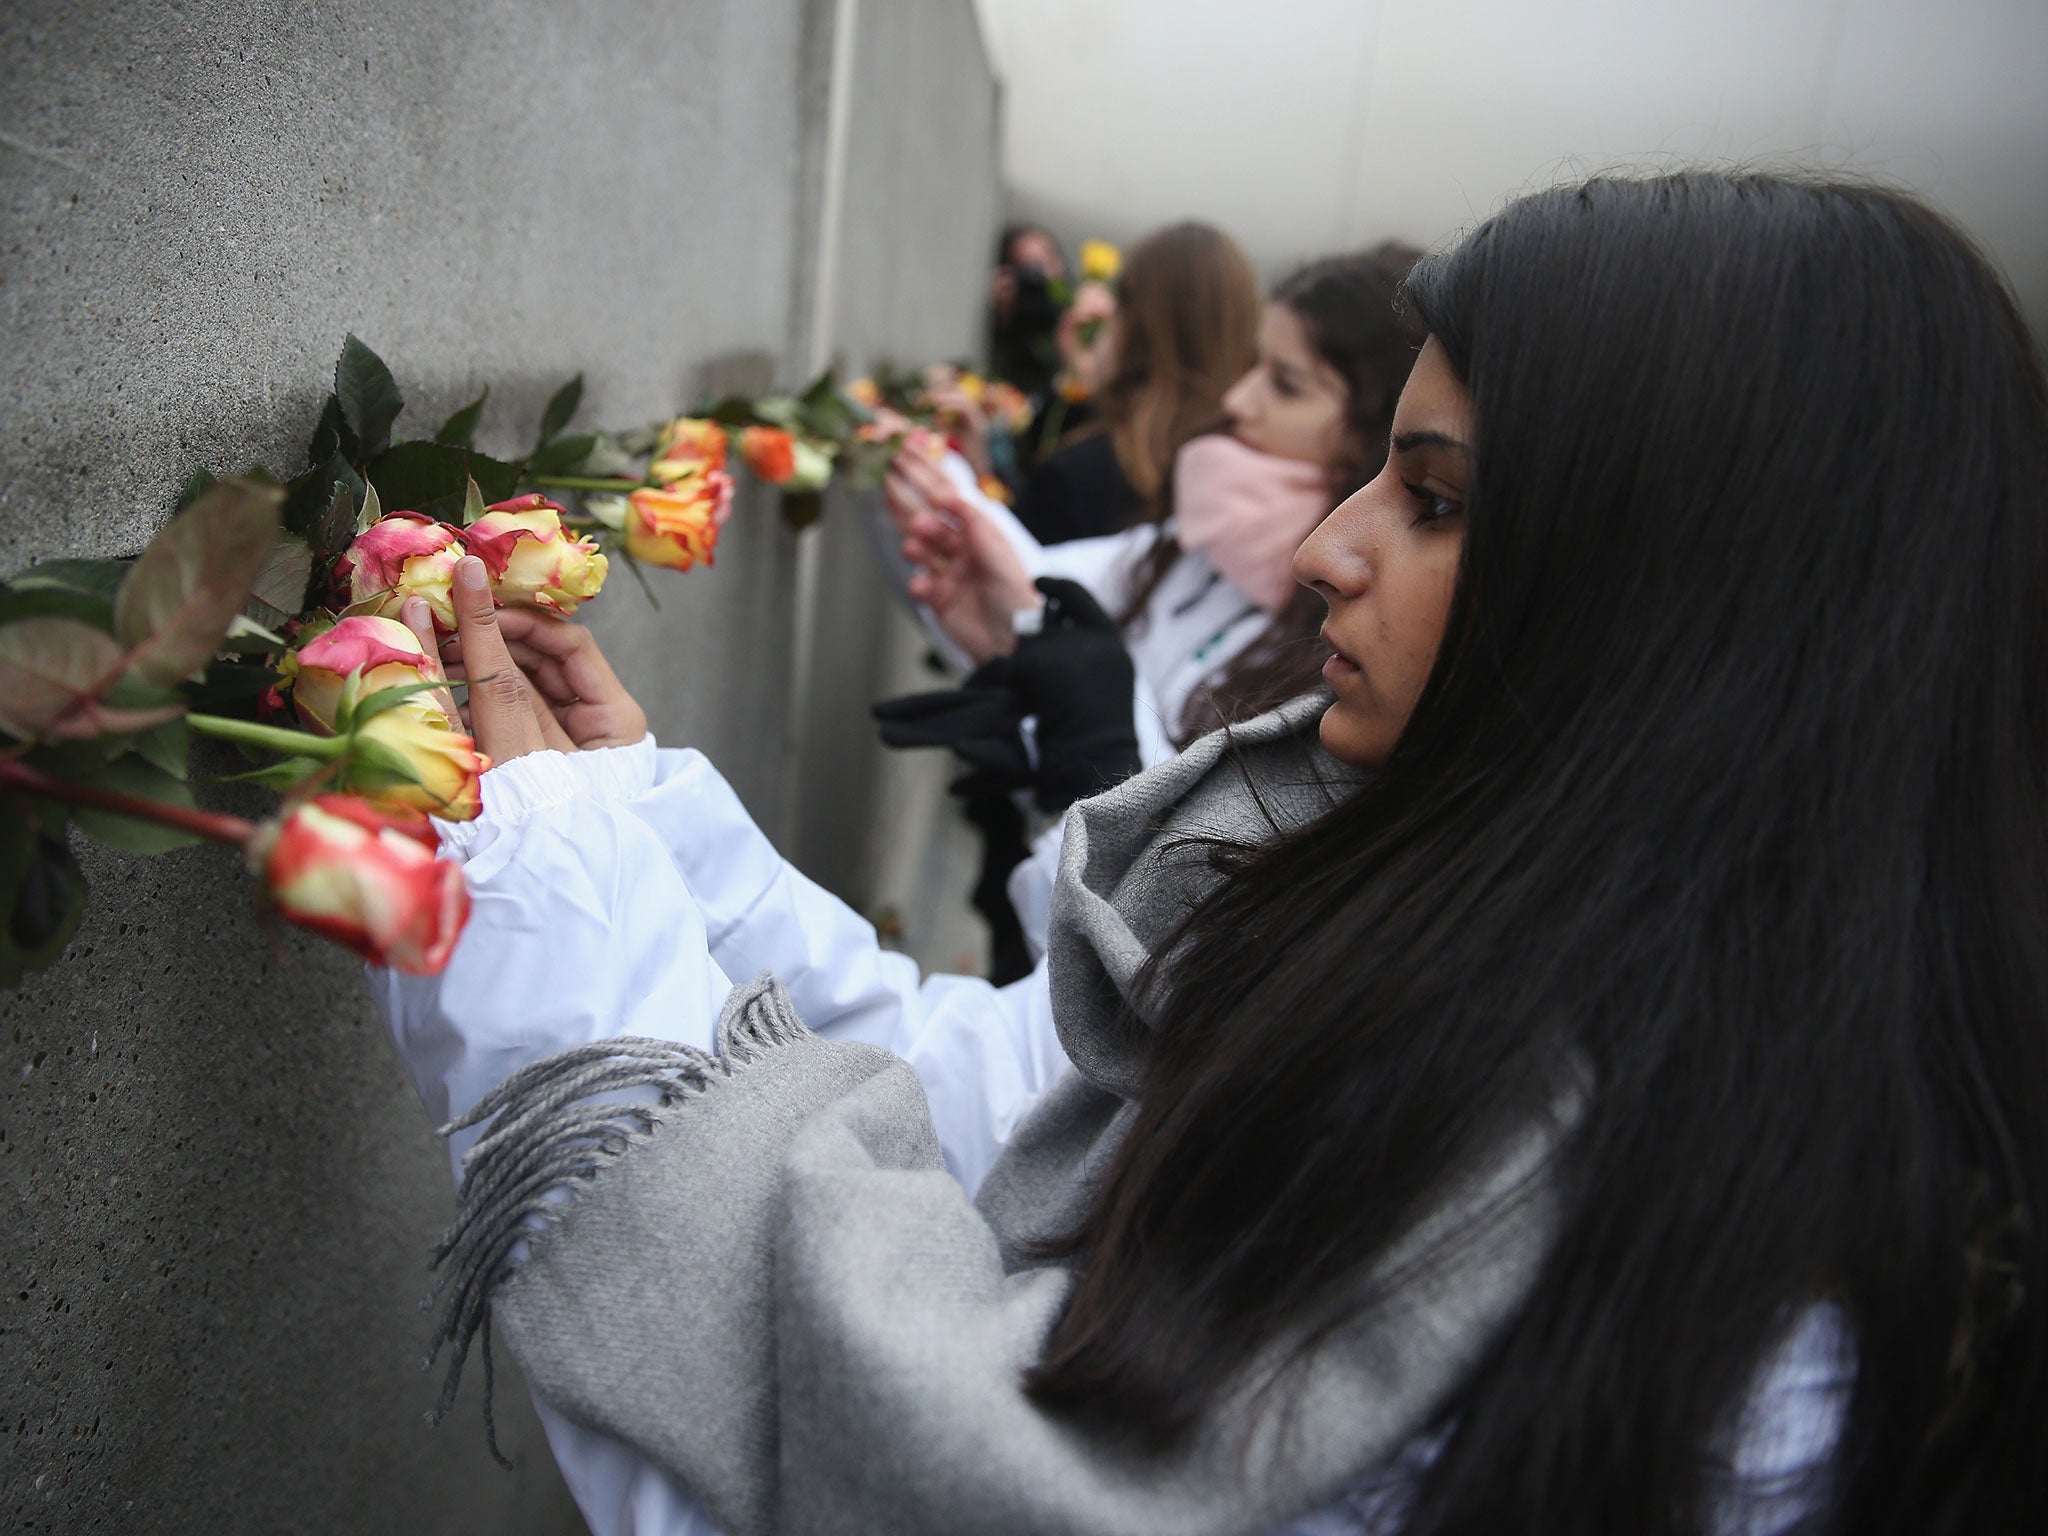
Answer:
(1331, 564)
(1237, 400)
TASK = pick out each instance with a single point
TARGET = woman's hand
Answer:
(966, 572)
(965, 423)
(571, 677)
(536, 682)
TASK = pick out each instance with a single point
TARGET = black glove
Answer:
(1074, 675)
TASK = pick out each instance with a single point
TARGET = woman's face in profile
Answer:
(1291, 404)
(1386, 563)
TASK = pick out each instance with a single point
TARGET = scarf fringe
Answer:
(549, 1134)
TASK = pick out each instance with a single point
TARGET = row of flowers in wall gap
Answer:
(265, 614)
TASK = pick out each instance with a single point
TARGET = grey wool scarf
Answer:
(768, 1283)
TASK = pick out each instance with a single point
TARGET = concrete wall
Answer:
(218, 1184)
(903, 303)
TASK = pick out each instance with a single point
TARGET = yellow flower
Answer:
(689, 443)
(1101, 261)
(864, 393)
(677, 525)
(409, 755)
(533, 563)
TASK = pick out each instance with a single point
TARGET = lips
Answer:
(1339, 665)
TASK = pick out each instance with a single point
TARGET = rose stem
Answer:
(276, 738)
(207, 824)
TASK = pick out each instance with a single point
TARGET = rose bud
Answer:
(383, 650)
(409, 755)
(532, 560)
(769, 452)
(364, 879)
(404, 555)
(813, 468)
(677, 526)
(864, 393)
(687, 445)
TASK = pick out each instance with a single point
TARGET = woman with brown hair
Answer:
(1183, 331)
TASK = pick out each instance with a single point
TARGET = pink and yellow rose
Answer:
(387, 654)
(404, 555)
(677, 525)
(411, 756)
(366, 879)
(769, 452)
(687, 445)
(532, 559)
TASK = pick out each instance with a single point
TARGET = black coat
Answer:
(1079, 492)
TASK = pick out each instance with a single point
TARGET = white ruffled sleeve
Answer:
(983, 1054)
(580, 928)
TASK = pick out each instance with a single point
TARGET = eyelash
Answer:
(1435, 508)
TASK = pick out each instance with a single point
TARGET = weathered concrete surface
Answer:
(921, 156)
(217, 1182)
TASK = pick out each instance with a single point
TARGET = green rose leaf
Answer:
(289, 774)
(610, 458)
(183, 591)
(54, 672)
(201, 481)
(777, 410)
(142, 781)
(368, 395)
(332, 437)
(309, 497)
(561, 406)
(38, 602)
(562, 455)
(459, 430)
(93, 578)
(42, 894)
(372, 508)
(385, 699)
(164, 747)
(279, 591)
(472, 502)
(372, 764)
(433, 478)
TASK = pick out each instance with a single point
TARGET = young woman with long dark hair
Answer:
(1586, 1071)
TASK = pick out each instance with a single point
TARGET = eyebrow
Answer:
(1405, 442)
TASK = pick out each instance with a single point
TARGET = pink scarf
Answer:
(1248, 512)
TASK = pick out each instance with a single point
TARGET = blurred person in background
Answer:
(1179, 332)
(1024, 308)
(1583, 1070)
(1215, 622)
(1217, 628)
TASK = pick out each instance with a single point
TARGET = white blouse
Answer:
(619, 892)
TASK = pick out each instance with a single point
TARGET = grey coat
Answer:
(769, 1284)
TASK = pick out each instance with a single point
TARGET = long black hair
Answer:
(1729, 789)
(1347, 311)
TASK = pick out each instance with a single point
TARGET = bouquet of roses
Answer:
(266, 614)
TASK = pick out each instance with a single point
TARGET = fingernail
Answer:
(469, 574)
